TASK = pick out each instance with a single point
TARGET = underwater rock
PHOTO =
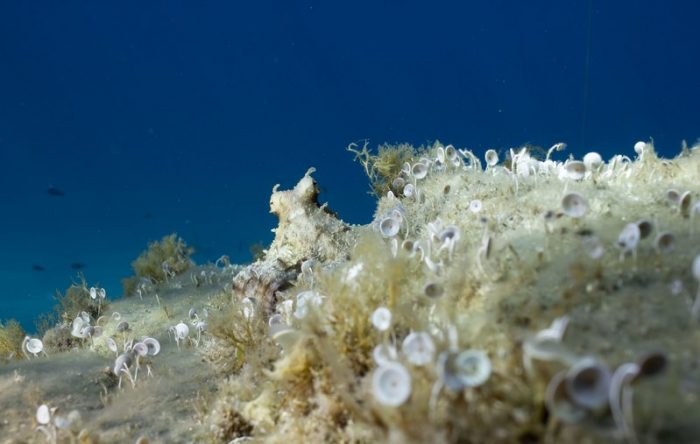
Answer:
(528, 301)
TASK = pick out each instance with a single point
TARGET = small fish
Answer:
(37, 267)
(54, 192)
(77, 265)
(147, 215)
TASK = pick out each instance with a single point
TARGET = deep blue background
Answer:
(192, 111)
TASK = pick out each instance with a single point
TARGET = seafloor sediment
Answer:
(519, 299)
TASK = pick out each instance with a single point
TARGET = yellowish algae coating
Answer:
(517, 265)
(541, 317)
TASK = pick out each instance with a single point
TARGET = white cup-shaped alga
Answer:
(418, 347)
(391, 384)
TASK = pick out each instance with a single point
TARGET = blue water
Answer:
(160, 116)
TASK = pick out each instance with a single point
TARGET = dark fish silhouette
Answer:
(77, 265)
(55, 192)
(147, 215)
(37, 267)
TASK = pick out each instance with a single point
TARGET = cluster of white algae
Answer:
(516, 297)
